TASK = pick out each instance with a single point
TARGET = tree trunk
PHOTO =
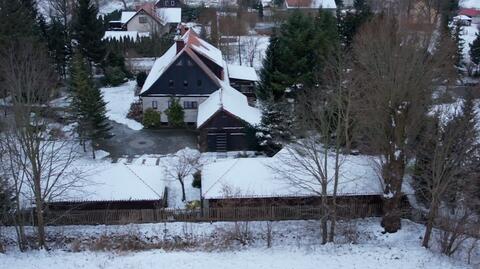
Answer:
(39, 213)
(430, 221)
(391, 221)
(183, 190)
(324, 220)
(93, 150)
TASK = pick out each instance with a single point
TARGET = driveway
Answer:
(128, 142)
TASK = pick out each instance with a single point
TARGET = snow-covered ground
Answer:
(118, 101)
(253, 50)
(296, 244)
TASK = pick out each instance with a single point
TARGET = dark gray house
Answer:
(194, 72)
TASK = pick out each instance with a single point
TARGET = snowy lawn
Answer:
(295, 245)
(118, 101)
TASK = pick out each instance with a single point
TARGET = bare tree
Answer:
(446, 145)
(39, 160)
(314, 162)
(395, 72)
(183, 164)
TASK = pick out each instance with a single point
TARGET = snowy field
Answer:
(295, 244)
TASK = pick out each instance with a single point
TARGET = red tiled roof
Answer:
(471, 12)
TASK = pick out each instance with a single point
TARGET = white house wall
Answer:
(162, 105)
(150, 26)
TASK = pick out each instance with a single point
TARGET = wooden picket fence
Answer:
(274, 213)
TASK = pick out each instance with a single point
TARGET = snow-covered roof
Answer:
(117, 35)
(470, 4)
(119, 182)
(127, 15)
(159, 66)
(170, 15)
(462, 18)
(231, 101)
(202, 47)
(326, 4)
(259, 177)
(242, 72)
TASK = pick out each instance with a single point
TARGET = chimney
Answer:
(179, 41)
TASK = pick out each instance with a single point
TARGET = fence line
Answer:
(274, 213)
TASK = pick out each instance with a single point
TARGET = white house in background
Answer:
(193, 72)
(159, 18)
(311, 4)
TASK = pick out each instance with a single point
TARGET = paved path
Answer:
(128, 142)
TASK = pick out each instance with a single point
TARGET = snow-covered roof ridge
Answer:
(202, 47)
(230, 100)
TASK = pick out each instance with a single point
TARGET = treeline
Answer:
(369, 82)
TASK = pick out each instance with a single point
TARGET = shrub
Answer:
(114, 76)
(141, 77)
(175, 113)
(136, 111)
(151, 118)
(197, 180)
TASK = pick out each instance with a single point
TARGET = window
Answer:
(185, 83)
(142, 19)
(190, 104)
(154, 104)
(199, 82)
(172, 3)
(170, 83)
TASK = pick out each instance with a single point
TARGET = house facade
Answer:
(193, 72)
(473, 13)
(311, 5)
(158, 18)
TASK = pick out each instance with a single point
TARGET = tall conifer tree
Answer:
(88, 31)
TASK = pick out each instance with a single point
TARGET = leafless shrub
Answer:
(348, 231)
(269, 234)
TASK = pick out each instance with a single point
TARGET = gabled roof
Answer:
(127, 16)
(164, 62)
(192, 44)
(315, 4)
(230, 100)
(202, 47)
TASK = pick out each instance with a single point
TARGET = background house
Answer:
(310, 5)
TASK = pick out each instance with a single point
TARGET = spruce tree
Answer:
(88, 31)
(296, 53)
(276, 127)
(456, 35)
(87, 104)
(58, 45)
(475, 50)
